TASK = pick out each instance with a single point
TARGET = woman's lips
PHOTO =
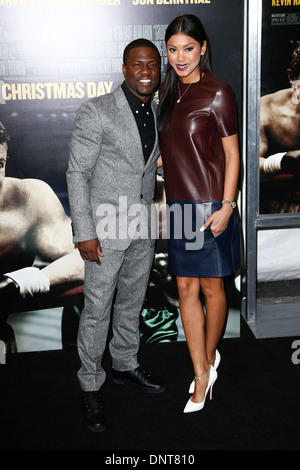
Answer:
(182, 67)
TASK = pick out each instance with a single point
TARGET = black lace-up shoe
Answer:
(93, 412)
(138, 378)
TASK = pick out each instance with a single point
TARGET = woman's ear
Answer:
(203, 48)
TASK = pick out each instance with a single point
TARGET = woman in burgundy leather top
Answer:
(199, 147)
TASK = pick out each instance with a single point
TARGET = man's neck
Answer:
(143, 99)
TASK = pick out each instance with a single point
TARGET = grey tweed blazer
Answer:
(107, 174)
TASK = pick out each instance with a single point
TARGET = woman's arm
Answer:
(232, 166)
(219, 219)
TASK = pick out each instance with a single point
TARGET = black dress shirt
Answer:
(144, 119)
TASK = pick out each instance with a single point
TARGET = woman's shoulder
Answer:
(217, 83)
(221, 93)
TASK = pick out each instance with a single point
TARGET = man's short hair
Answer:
(4, 136)
(294, 68)
(138, 43)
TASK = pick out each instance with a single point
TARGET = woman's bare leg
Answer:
(216, 310)
(193, 321)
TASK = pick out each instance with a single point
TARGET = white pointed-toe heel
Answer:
(215, 366)
(191, 406)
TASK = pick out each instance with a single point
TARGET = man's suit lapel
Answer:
(153, 153)
(128, 120)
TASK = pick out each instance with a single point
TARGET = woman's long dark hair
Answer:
(189, 25)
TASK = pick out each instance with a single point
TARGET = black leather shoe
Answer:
(93, 411)
(138, 378)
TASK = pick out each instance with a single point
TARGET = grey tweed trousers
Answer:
(126, 274)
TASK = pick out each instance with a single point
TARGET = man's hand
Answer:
(90, 250)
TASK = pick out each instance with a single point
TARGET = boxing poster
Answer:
(279, 107)
(279, 150)
(54, 55)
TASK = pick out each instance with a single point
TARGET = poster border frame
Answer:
(252, 219)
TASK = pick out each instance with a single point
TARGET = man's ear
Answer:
(124, 70)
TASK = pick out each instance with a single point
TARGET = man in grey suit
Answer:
(111, 182)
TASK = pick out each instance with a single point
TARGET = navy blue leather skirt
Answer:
(192, 253)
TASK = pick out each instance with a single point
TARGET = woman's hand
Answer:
(218, 221)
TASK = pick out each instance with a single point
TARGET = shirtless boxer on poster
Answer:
(280, 126)
(34, 228)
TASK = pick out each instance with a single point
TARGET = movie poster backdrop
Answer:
(279, 107)
(279, 152)
(54, 55)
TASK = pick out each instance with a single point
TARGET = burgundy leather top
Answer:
(192, 152)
